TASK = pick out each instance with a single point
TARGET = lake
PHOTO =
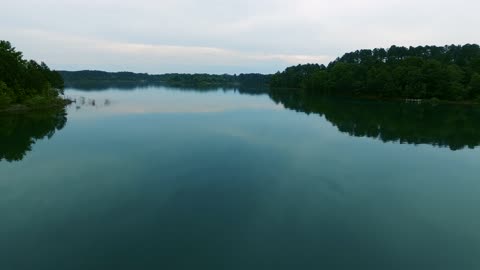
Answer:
(164, 178)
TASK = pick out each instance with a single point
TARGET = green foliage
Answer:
(434, 101)
(5, 95)
(4, 100)
(36, 101)
(88, 77)
(20, 79)
(475, 86)
(445, 73)
(297, 76)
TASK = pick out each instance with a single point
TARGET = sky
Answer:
(225, 36)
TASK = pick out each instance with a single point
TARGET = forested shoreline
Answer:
(86, 78)
(450, 73)
(26, 84)
(446, 73)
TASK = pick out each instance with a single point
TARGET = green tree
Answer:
(428, 72)
(475, 86)
(22, 80)
(5, 95)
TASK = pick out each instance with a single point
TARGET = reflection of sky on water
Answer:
(149, 100)
(263, 184)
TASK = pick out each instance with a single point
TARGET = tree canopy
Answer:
(446, 73)
(23, 81)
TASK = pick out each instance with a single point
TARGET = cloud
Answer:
(226, 36)
(92, 53)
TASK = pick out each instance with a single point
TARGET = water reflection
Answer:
(242, 188)
(128, 86)
(153, 100)
(18, 132)
(102, 86)
(81, 101)
(453, 126)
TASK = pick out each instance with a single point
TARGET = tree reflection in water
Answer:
(453, 126)
(445, 125)
(18, 132)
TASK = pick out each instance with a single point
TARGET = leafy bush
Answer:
(5, 94)
(434, 100)
(4, 100)
(38, 101)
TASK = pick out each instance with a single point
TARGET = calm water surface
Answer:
(162, 178)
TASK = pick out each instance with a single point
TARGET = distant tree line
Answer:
(92, 77)
(430, 72)
(26, 81)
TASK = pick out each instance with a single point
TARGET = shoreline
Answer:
(22, 108)
(422, 101)
(375, 98)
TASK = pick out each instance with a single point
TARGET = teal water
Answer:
(163, 178)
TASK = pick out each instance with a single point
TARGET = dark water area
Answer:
(164, 178)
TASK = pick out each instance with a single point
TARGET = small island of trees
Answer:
(26, 84)
(450, 73)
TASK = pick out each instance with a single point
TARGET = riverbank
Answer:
(432, 101)
(29, 107)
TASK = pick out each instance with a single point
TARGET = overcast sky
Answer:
(225, 36)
